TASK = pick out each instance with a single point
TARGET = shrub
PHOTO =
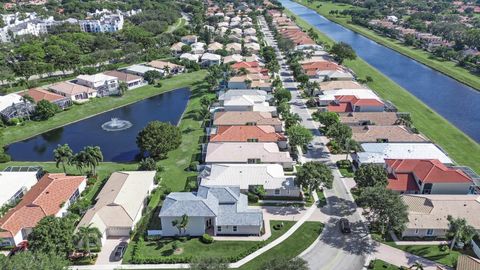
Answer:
(206, 238)
(443, 247)
(193, 166)
(278, 226)
(167, 191)
(4, 157)
(183, 239)
(311, 103)
(345, 163)
(252, 198)
(163, 196)
(14, 121)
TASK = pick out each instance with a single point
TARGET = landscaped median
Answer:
(448, 68)
(459, 146)
(98, 105)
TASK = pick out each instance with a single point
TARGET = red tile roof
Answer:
(402, 182)
(245, 65)
(45, 198)
(40, 94)
(321, 65)
(340, 107)
(244, 133)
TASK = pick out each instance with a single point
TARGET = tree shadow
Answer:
(283, 210)
(339, 207)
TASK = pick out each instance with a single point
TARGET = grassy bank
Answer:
(448, 68)
(96, 106)
(459, 146)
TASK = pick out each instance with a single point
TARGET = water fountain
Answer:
(116, 124)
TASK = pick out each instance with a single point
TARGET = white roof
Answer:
(96, 78)
(241, 152)
(211, 57)
(233, 58)
(270, 176)
(12, 182)
(241, 92)
(334, 74)
(359, 93)
(189, 56)
(7, 100)
(244, 100)
(141, 69)
(378, 152)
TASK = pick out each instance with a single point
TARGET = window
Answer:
(234, 228)
(277, 191)
(219, 228)
(74, 197)
(253, 161)
(430, 232)
(252, 140)
(416, 231)
(251, 124)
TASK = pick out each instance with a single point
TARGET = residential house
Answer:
(108, 23)
(222, 96)
(214, 46)
(39, 94)
(104, 84)
(466, 261)
(210, 59)
(251, 67)
(234, 58)
(369, 118)
(246, 118)
(75, 92)
(14, 106)
(189, 40)
(337, 85)
(16, 184)
(198, 47)
(177, 48)
(269, 176)
(131, 80)
(120, 203)
(50, 196)
(213, 210)
(190, 57)
(248, 103)
(250, 81)
(350, 103)
(140, 70)
(377, 153)
(234, 48)
(247, 153)
(248, 134)
(249, 31)
(427, 214)
(167, 67)
(252, 47)
(385, 134)
(426, 176)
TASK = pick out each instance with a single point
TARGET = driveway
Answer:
(106, 255)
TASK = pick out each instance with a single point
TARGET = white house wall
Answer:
(241, 230)
(451, 188)
(195, 226)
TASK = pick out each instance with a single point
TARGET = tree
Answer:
(386, 210)
(341, 133)
(158, 138)
(282, 95)
(62, 154)
(79, 160)
(52, 235)
(45, 109)
(122, 88)
(34, 260)
(87, 235)
(326, 118)
(312, 174)
(283, 108)
(459, 230)
(151, 76)
(299, 135)
(370, 175)
(147, 164)
(342, 51)
(416, 266)
(181, 224)
(209, 263)
(93, 157)
(286, 264)
(291, 119)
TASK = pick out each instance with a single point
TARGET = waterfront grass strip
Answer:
(446, 67)
(460, 147)
(96, 106)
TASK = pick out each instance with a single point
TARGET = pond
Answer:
(116, 146)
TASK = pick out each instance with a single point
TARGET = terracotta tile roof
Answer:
(321, 65)
(71, 89)
(40, 94)
(246, 65)
(243, 118)
(244, 133)
(392, 134)
(339, 107)
(428, 170)
(162, 64)
(122, 76)
(402, 182)
(43, 199)
(367, 102)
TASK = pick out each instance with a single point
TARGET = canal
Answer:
(456, 102)
(117, 146)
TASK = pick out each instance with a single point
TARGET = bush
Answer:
(311, 103)
(4, 157)
(167, 191)
(344, 163)
(206, 238)
(183, 239)
(278, 226)
(163, 196)
(252, 198)
(443, 247)
(14, 122)
(193, 166)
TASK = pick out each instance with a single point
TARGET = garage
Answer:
(118, 231)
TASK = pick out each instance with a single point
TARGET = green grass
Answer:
(322, 201)
(346, 172)
(96, 106)
(460, 147)
(290, 248)
(448, 68)
(180, 23)
(381, 265)
(194, 248)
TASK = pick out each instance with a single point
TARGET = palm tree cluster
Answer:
(86, 236)
(181, 224)
(90, 157)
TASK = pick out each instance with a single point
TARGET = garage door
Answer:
(118, 231)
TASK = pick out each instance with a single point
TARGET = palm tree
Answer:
(416, 266)
(122, 88)
(87, 235)
(459, 230)
(181, 224)
(93, 157)
(62, 154)
(242, 71)
(292, 119)
(79, 160)
(166, 70)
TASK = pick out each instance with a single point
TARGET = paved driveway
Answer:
(106, 255)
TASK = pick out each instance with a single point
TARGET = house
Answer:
(249, 31)
(131, 80)
(104, 84)
(254, 67)
(426, 176)
(15, 184)
(234, 48)
(337, 85)
(190, 39)
(74, 92)
(253, 47)
(14, 106)
(248, 103)
(210, 59)
(248, 81)
(467, 262)
(213, 210)
(393, 134)
(248, 134)
(190, 57)
(234, 58)
(198, 47)
(269, 176)
(140, 70)
(215, 46)
(246, 118)
(167, 67)
(51, 195)
(341, 95)
(39, 94)
(427, 214)
(222, 96)
(369, 118)
(247, 153)
(176, 48)
(350, 103)
(120, 203)
(376, 153)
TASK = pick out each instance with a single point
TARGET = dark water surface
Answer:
(458, 103)
(118, 146)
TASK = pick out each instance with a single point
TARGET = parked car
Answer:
(345, 225)
(120, 251)
(22, 246)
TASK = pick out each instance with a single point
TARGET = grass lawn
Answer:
(449, 68)
(290, 248)
(194, 248)
(346, 172)
(381, 265)
(322, 201)
(459, 146)
(98, 105)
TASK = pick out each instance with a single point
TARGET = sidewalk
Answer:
(415, 243)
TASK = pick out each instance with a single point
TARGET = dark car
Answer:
(345, 225)
(120, 251)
